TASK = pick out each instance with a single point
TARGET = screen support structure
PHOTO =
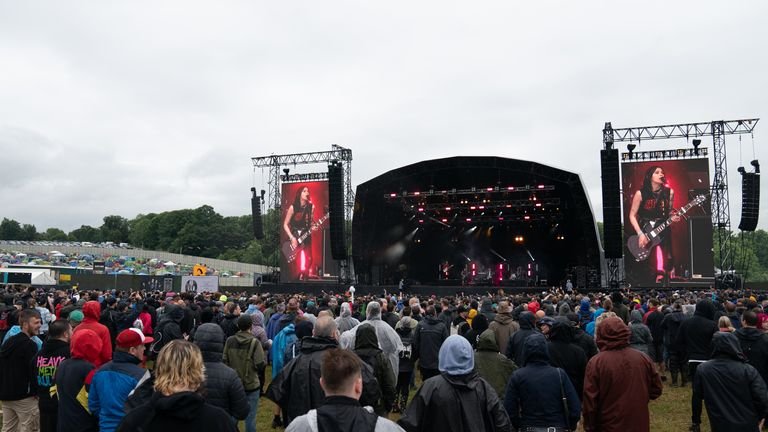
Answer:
(337, 153)
(718, 129)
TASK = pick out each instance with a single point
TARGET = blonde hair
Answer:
(603, 317)
(725, 323)
(179, 368)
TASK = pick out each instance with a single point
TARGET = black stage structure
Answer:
(472, 223)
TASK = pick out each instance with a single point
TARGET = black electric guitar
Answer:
(653, 231)
(289, 251)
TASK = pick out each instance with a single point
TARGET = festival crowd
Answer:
(548, 361)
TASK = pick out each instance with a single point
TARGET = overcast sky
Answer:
(115, 107)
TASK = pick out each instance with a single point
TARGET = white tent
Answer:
(170, 264)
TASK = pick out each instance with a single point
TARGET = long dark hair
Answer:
(297, 198)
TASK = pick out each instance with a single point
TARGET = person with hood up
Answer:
(479, 325)
(427, 339)
(586, 315)
(168, 329)
(222, 384)
(73, 381)
(345, 321)
(565, 354)
(641, 338)
(486, 308)
(367, 348)
(457, 400)
(609, 407)
(177, 403)
(733, 391)
(491, 365)
(671, 326)
(389, 341)
(296, 389)
(273, 325)
(503, 325)
(91, 315)
(754, 343)
(695, 335)
(514, 350)
(258, 331)
(535, 393)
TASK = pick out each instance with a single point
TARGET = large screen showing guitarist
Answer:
(302, 230)
(660, 242)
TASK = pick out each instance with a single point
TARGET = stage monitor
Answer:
(304, 235)
(661, 200)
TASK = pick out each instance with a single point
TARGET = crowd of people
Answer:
(549, 361)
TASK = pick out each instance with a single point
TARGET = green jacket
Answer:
(243, 353)
(491, 365)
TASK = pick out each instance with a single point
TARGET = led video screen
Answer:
(304, 235)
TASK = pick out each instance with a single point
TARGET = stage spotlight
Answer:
(631, 148)
(286, 171)
(263, 192)
(696, 144)
(741, 170)
(756, 164)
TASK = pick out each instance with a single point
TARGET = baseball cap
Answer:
(132, 337)
(76, 316)
(223, 298)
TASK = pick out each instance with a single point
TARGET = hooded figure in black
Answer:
(565, 354)
(695, 335)
(479, 325)
(367, 348)
(168, 329)
(733, 391)
(534, 395)
(515, 344)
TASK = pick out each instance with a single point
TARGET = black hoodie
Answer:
(18, 375)
(516, 341)
(564, 353)
(754, 344)
(54, 352)
(735, 396)
(185, 411)
(695, 335)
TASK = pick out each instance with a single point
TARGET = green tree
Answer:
(85, 233)
(54, 234)
(10, 230)
(28, 232)
(115, 229)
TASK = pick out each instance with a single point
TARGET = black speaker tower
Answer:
(750, 199)
(258, 228)
(336, 201)
(609, 168)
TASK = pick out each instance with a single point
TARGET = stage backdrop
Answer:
(685, 251)
(309, 261)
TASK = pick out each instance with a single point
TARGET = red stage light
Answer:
(417, 193)
(421, 220)
(392, 195)
(501, 218)
(527, 217)
(489, 189)
(481, 207)
(511, 188)
(448, 209)
(445, 220)
(501, 266)
(469, 220)
(538, 204)
(541, 186)
(472, 208)
(421, 209)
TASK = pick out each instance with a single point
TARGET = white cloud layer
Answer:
(123, 108)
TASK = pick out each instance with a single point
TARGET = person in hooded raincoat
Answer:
(389, 341)
(733, 391)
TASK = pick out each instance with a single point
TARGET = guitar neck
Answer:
(661, 227)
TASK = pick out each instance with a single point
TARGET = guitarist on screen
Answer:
(298, 221)
(654, 204)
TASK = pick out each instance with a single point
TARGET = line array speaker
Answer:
(258, 228)
(609, 168)
(336, 201)
(750, 201)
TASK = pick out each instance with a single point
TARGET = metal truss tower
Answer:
(721, 218)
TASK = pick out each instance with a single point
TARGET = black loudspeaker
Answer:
(258, 229)
(336, 201)
(700, 238)
(750, 201)
(609, 168)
